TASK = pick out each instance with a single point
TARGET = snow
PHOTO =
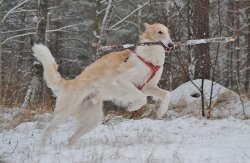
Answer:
(224, 102)
(184, 138)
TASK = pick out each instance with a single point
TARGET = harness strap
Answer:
(153, 70)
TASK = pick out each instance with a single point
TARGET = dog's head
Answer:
(157, 33)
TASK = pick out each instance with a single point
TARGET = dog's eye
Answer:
(160, 32)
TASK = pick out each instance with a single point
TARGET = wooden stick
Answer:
(177, 44)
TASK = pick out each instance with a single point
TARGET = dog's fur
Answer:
(114, 76)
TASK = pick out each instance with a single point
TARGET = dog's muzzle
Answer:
(167, 47)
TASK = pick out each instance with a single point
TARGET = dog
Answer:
(126, 77)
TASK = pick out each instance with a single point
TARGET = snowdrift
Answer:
(186, 99)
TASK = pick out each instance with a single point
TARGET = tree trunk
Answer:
(237, 42)
(42, 20)
(22, 40)
(106, 20)
(1, 95)
(201, 31)
(247, 75)
(201, 52)
(230, 23)
(34, 91)
(21, 54)
(139, 17)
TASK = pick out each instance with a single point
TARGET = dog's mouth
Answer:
(167, 50)
(168, 47)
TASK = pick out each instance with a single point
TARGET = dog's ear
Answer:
(147, 26)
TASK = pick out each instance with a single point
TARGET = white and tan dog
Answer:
(115, 76)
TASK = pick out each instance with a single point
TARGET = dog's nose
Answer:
(170, 45)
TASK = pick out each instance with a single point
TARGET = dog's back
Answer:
(107, 66)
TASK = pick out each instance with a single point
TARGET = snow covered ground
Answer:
(184, 138)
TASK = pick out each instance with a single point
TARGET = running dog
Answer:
(126, 78)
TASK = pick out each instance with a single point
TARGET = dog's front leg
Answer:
(130, 95)
(138, 98)
(161, 94)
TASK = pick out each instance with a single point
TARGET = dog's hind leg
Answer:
(63, 110)
(88, 116)
(59, 118)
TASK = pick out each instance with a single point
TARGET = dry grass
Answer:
(24, 115)
(145, 111)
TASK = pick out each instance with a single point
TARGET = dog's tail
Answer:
(51, 75)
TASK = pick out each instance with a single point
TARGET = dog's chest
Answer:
(141, 72)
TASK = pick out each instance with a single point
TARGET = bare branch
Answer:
(181, 43)
(205, 41)
(32, 33)
(18, 11)
(31, 10)
(126, 17)
(129, 22)
(21, 30)
(20, 4)
(106, 17)
(25, 34)
(68, 26)
(245, 26)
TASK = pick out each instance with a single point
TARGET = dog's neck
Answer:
(153, 53)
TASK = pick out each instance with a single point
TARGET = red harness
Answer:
(153, 70)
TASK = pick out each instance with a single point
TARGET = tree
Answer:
(34, 90)
(201, 31)
(237, 42)
(247, 75)
(230, 26)
(101, 30)
(1, 96)
(201, 52)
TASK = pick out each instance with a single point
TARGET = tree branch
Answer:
(20, 4)
(32, 33)
(106, 17)
(25, 34)
(68, 26)
(181, 43)
(21, 30)
(119, 22)
(205, 41)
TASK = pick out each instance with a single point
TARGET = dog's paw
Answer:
(72, 141)
(161, 111)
